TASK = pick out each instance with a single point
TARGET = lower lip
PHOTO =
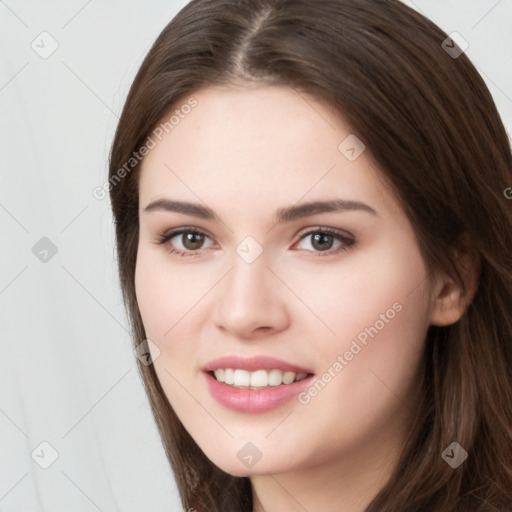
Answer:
(254, 400)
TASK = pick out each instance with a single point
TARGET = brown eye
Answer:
(322, 241)
(185, 242)
(192, 241)
(325, 241)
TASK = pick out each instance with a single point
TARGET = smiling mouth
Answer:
(256, 380)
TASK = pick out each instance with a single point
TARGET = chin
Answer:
(275, 463)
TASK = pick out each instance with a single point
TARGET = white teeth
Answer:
(228, 376)
(258, 379)
(288, 377)
(275, 377)
(241, 378)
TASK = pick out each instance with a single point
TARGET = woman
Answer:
(314, 249)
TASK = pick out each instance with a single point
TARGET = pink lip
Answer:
(253, 400)
(252, 364)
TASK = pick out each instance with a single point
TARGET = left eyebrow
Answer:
(283, 215)
(295, 212)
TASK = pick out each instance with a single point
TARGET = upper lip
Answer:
(252, 364)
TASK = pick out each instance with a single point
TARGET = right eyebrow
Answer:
(194, 209)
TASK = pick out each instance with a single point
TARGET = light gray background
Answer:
(67, 372)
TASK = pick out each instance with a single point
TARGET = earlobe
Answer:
(450, 300)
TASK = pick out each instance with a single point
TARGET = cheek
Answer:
(380, 317)
(165, 293)
(171, 300)
(373, 291)
(374, 317)
(372, 375)
(152, 296)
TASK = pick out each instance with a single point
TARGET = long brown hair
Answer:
(431, 125)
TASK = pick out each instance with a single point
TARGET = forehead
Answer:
(266, 142)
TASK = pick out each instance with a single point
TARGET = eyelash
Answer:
(347, 242)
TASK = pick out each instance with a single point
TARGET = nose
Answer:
(251, 301)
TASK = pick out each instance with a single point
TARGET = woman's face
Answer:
(284, 258)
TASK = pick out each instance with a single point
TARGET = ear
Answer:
(450, 301)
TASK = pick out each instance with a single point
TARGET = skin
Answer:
(245, 153)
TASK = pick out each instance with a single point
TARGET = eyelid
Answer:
(324, 229)
(171, 233)
(162, 239)
(347, 239)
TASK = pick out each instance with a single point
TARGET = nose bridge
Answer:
(248, 299)
(248, 279)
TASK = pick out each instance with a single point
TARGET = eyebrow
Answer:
(288, 214)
